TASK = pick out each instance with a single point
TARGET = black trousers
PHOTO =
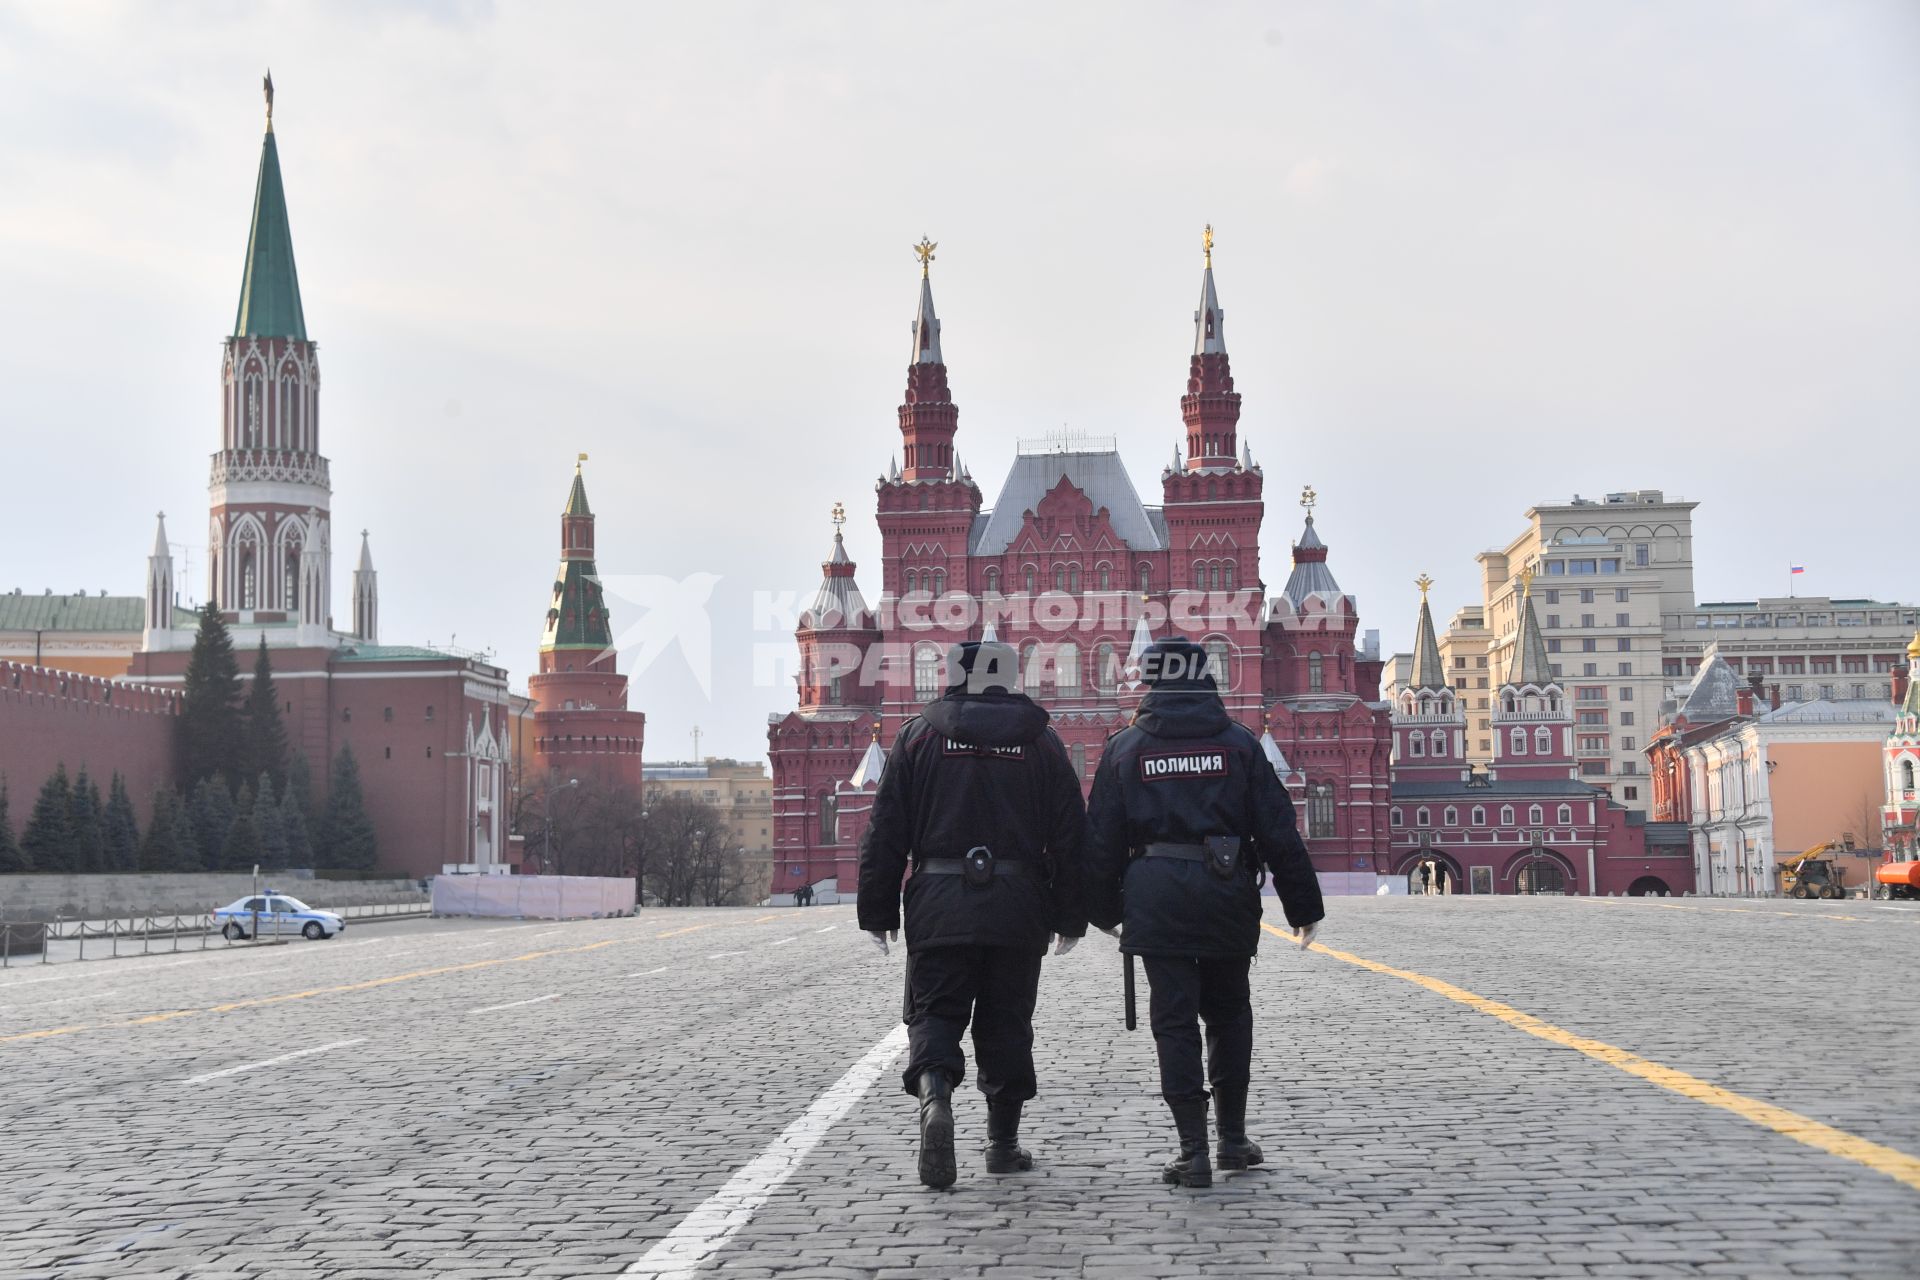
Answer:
(993, 988)
(1186, 991)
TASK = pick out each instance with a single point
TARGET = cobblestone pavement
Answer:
(470, 1100)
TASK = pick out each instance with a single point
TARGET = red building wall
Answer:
(50, 718)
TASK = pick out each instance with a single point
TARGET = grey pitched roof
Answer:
(1310, 574)
(1099, 474)
(1529, 664)
(1712, 695)
(1427, 671)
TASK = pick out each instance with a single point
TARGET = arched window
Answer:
(1032, 579)
(1535, 815)
(1106, 577)
(993, 582)
(1518, 741)
(1543, 741)
(1066, 668)
(1906, 775)
(1106, 669)
(829, 819)
(1200, 575)
(1422, 817)
(290, 587)
(910, 583)
(1220, 664)
(1228, 572)
(1451, 817)
(1146, 578)
(927, 670)
(939, 582)
(1479, 815)
(1030, 668)
(1506, 815)
(1506, 703)
(1566, 815)
(1394, 816)
(1059, 577)
(1073, 578)
(1440, 742)
(1320, 809)
(1079, 759)
(1316, 676)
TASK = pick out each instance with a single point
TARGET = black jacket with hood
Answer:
(1185, 770)
(977, 769)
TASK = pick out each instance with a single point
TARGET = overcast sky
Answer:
(1472, 257)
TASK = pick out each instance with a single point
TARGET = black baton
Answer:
(1132, 1020)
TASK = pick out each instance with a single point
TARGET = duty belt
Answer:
(1219, 854)
(979, 866)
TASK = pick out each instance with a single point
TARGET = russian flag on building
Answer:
(1797, 568)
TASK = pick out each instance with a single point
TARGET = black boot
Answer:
(936, 1129)
(1190, 1168)
(1004, 1152)
(1236, 1150)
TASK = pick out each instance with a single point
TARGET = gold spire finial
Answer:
(839, 517)
(1424, 583)
(577, 461)
(1913, 648)
(1206, 245)
(924, 251)
(1307, 498)
(1526, 581)
(266, 85)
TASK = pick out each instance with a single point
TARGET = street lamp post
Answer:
(546, 805)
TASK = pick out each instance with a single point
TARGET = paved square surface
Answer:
(1513, 1088)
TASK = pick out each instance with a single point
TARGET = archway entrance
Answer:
(1540, 876)
(1443, 873)
(1649, 887)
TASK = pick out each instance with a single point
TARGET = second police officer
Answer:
(1185, 812)
(980, 799)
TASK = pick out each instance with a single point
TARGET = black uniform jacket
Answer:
(977, 769)
(1183, 771)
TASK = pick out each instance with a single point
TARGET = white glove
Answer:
(1303, 937)
(1064, 944)
(1113, 932)
(880, 937)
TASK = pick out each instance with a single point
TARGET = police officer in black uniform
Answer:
(980, 800)
(1186, 811)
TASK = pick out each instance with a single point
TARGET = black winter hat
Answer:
(1176, 664)
(982, 667)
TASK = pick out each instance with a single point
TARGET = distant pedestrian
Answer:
(1426, 878)
(1440, 878)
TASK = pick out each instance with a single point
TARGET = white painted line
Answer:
(515, 1004)
(829, 929)
(702, 1233)
(649, 973)
(273, 1062)
(718, 954)
(781, 942)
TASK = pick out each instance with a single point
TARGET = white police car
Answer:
(275, 914)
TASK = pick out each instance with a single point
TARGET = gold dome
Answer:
(1913, 648)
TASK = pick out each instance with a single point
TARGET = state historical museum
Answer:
(1073, 569)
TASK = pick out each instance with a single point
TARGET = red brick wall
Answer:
(50, 717)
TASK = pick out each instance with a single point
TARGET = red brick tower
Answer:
(581, 725)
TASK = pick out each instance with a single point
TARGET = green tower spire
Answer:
(270, 287)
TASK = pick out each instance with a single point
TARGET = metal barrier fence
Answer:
(27, 941)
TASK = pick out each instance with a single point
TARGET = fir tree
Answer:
(273, 833)
(241, 849)
(212, 814)
(210, 726)
(120, 829)
(48, 839)
(300, 784)
(266, 733)
(169, 845)
(346, 832)
(12, 858)
(86, 832)
(293, 825)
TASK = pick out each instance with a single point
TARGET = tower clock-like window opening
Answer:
(1320, 809)
(1316, 675)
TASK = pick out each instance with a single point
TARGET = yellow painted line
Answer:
(1723, 911)
(262, 1001)
(1898, 1165)
(778, 916)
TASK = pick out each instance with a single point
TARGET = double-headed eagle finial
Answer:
(839, 517)
(924, 251)
(1206, 245)
(266, 85)
(1307, 498)
(1425, 584)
